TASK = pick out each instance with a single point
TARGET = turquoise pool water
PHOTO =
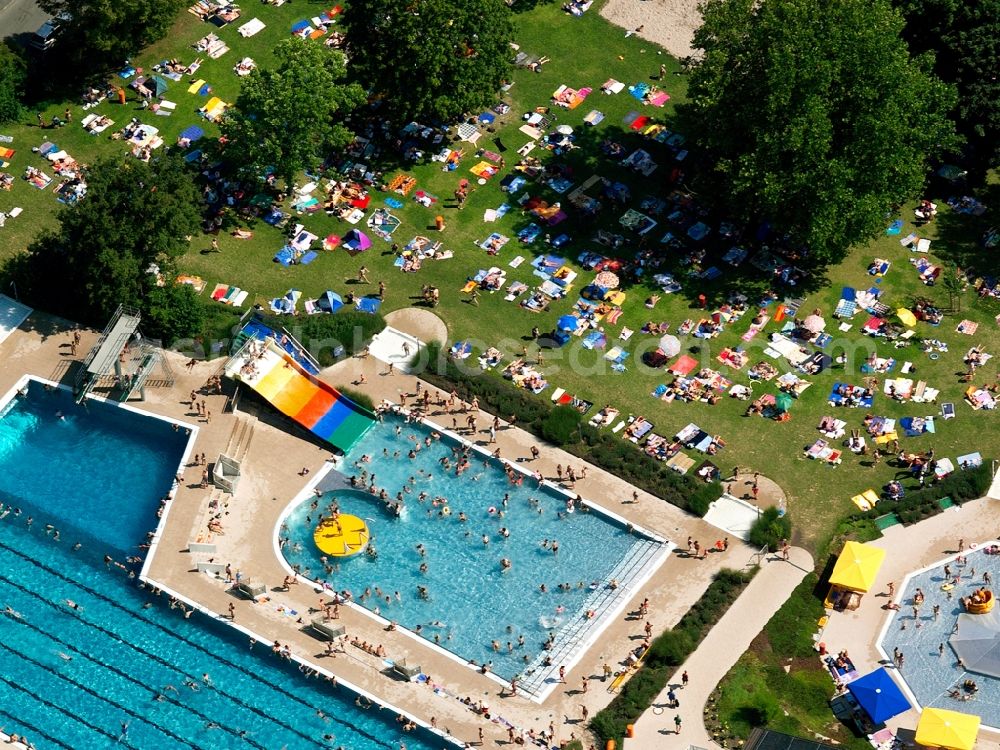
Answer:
(471, 604)
(84, 465)
(930, 672)
(71, 677)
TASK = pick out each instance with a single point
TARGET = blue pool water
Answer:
(471, 601)
(86, 464)
(71, 677)
(929, 674)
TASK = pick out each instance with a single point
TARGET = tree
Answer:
(287, 117)
(438, 59)
(814, 115)
(135, 216)
(12, 77)
(965, 39)
(99, 35)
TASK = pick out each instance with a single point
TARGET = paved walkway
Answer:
(716, 655)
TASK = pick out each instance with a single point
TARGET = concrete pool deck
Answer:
(911, 548)
(271, 478)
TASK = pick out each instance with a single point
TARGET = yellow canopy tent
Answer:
(857, 567)
(947, 729)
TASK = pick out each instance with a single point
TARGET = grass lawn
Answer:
(759, 692)
(584, 52)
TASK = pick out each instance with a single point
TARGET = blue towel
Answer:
(502, 211)
(894, 228)
(127, 72)
(300, 25)
(369, 305)
(308, 258)
(192, 132)
(639, 90)
(205, 90)
(393, 203)
(193, 156)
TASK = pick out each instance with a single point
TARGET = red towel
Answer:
(639, 123)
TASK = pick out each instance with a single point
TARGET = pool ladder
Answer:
(642, 557)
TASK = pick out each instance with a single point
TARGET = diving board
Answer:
(291, 389)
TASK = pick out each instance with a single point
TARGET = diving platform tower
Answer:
(122, 361)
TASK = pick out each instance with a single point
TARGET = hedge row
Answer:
(321, 335)
(667, 653)
(557, 425)
(916, 505)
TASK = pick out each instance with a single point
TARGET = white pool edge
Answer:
(594, 632)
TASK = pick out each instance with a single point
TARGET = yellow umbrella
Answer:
(907, 317)
(947, 729)
(857, 566)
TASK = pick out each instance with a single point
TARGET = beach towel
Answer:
(639, 123)
(894, 228)
(683, 366)
(251, 27)
(194, 87)
(192, 133)
(611, 86)
(967, 327)
(638, 90)
(369, 305)
(484, 170)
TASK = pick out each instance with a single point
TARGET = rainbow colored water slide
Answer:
(317, 406)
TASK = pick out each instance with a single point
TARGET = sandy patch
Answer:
(669, 23)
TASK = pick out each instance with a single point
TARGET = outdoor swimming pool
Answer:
(71, 677)
(471, 602)
(84, 465)
(928, 674)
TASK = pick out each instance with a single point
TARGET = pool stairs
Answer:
(642, 558)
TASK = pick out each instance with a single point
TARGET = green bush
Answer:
(769, 529)
(560, 425)
(321, 335)
(917, 505)
(671, 648)
(667, 652)
(791, 629)
(358, 397)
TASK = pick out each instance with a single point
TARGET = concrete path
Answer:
(20, 17)
(716, 655)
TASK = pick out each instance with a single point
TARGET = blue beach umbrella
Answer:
(879, 696)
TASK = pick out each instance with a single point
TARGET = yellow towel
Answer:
(194, 87)
(213, 103)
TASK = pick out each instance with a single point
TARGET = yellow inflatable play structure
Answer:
(342, 536)
(980, 602)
